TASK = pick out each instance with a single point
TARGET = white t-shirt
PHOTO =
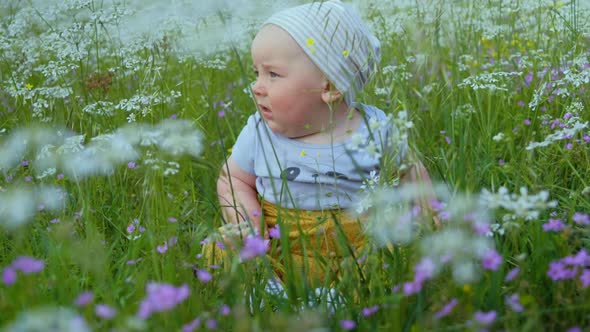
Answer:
(307, 176)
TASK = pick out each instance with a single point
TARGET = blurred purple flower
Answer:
(224, 310)
(84, 298)
(412, 287)
(513, 301)
(28, 265)
(491, 260)
(161, 297)
(163, 247)
(9, 275)
(481, 228)
(554, 225)
(130, 228)
(485, 318)
(172, 240)
(28, 178)
(347, 324)
(253, 246)
(574, 329)
(446, 309)
(211, 324)
(512, 274)
(581, 218)
(172, 220)
(104, 311)
(569, 146)
(60, 176)
(192, 325)
(221, 114)
(501, 162)
(203, 275)
(448, 139)
(424, 270)
(585, 278)
(527, 122)
(275, 232)
(369, 311)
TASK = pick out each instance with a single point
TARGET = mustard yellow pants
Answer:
(312, 243)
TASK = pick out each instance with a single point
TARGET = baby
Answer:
(301, 159)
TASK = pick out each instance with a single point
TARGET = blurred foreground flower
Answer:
(49, 319)
(59, 149)
(161, 297)
(19, 205)
(24, 264)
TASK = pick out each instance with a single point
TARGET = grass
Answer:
(433, 53)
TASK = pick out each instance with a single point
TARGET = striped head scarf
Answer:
(334, 36)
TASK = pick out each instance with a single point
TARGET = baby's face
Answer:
(288, 88)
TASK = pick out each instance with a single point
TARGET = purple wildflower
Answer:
(60, 176)
(253, 246)
(347, 324)
(28, 265)
(512, 274)
(275, 232)
(192, 325)
(501, 162)
(28, 178)
(203, 275)
(485, 318)
(412, 287)
(9, 276)
(585, 278)
(448, 139)
(224, 310)
(221, 113)
(557, 271)
(366, 312)
(131, 165)
(581, 218)
(172, 220)
(162, 248)
(424, 270)
(130, 228)
(481, 228)
(554, 225)
(211, 324)
(521, 103)
(491, 260)
(446, 309)
(104, 311)
(513, 301)
(574, 329)
(161, 297)
(84, 298)
(172, 240)
(527, 122)
(569, 146)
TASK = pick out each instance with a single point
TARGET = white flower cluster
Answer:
(517, 206)
(49, 319)
(572, 127)
(55, 150)
(142, 104)
(490, 81)
(18, 205)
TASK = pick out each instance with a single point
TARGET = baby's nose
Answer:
(257, 88)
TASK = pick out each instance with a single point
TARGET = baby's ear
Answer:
(330, 94)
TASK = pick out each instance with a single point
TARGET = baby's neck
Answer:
(345, 122)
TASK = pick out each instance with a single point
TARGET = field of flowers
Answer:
(116, 116)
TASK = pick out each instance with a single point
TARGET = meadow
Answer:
(116, 117)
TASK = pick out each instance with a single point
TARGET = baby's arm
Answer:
(238, 198)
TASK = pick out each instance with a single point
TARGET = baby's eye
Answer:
(273, 74)
(256, 73)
